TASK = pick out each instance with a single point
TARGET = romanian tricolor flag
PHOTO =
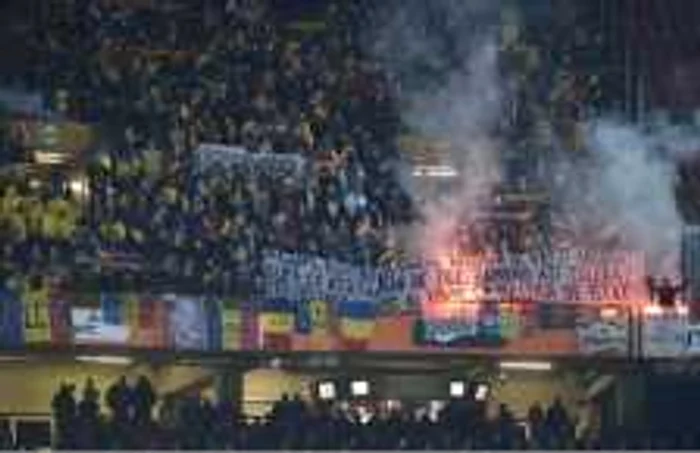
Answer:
(357, 320)
(277, 324)
(36, 312)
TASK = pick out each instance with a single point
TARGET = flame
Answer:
(653, 310)
(458, 291)
(612, 280)
(609, 313)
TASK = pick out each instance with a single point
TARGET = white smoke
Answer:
(622, 191)
(463, 109)
(465, 113)
(628, 189)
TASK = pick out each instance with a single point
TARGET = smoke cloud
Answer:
(624, 193)
(445, 55)
(619, 192)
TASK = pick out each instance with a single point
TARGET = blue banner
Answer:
(303, 322)
(11, 322)
(113, 309)
(278, 305)
(188, 323)
(357, 309)
(214, 330)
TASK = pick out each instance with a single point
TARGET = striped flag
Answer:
(357, 323)
(277, 324)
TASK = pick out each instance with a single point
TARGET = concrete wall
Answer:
(261, 387)
(521, 389)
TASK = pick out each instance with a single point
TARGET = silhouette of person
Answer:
(65, 412)
(665, 292)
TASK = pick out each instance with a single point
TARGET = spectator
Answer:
(144, 401)
(119, 400)
(192, 422)
(64, 413)
(88, 421)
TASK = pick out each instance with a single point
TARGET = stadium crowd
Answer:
(137, 417)
(318, 118)
(191, 422)
(157, 82)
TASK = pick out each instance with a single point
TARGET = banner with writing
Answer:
(567, 275)
(664, 334)
(210, 156)
(604, 335)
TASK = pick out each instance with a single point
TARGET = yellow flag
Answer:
(277, 323)
(357, 329)
(132, 314)
(36, 315)
(232, 329)
(320, 317)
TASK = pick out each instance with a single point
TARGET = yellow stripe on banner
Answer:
(232, 329)
(356, 329)
(320, 317)
(132, 315)
(37, 317)
(277, 323)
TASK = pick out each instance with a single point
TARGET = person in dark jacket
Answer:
(144, 401)
(64, 413)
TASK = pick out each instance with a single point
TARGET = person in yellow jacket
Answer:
(36, 317)
(11, 212)
(8, 202)
(60, 219)
(33, 211)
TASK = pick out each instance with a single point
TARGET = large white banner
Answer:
(564, 275)
(209, 156)
(91, 327)
(604, 336)
(669, 333)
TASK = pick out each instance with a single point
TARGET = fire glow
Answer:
(465, 281)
